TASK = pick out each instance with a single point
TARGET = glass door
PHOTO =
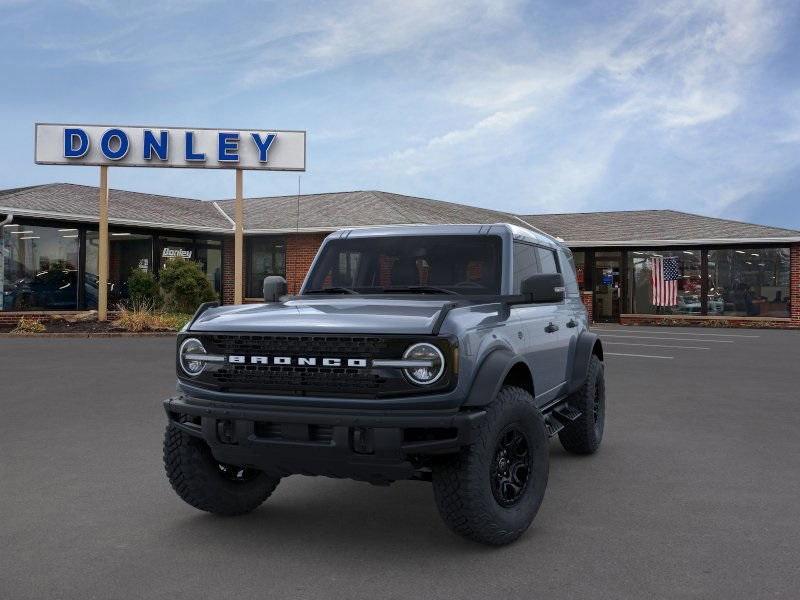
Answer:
(607, 278)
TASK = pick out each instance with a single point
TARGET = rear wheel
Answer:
(205, 483)
(583, 435)
(491, 490)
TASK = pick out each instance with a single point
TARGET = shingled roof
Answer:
(636, 227)
(326, 212)
(79, 203)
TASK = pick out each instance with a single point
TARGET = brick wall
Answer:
(301, 248)
(300, 251)
(228, 269)
(587, 298)
(709, 321)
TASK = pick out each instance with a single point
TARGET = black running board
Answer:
(559, 417)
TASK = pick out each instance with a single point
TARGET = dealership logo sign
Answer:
(170, 147)
(176, 253)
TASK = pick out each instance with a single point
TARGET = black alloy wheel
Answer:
(237, 474)
(511, 467)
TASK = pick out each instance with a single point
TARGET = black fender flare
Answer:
(584, 348)
(490, 376)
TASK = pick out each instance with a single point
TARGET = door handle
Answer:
(551, 328)
(571, 323)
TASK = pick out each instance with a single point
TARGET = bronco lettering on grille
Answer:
(299, 361)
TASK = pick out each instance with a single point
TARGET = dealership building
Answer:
(726, 272)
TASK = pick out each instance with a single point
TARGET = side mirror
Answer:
(274, 288)
(544, 287)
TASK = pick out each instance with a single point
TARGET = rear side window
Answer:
(526, 263)
(547, 260)
(570, 273)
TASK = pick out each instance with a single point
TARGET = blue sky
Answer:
(521, 106)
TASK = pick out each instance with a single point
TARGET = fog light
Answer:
(431, 371)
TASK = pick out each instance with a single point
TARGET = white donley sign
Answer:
(181, 147)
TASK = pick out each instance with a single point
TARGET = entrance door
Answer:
(607, 286)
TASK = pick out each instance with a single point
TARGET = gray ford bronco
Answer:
(447, 354)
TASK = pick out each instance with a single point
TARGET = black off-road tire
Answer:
(583, 435)
(464, 484)
(202, 482)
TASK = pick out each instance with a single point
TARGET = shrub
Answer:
(184, 286)
(143, 289)
(142, 316)
(27, 325)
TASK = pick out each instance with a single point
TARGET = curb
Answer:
(120, 334)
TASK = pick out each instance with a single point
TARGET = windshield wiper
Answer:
(333, 290)
(420, 289)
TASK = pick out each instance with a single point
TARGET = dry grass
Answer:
(143, 317)
(26, 325)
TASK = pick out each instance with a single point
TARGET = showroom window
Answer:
(209, 255)
(665, 282)
(748, 282)
(39, 267)
(128, 252)
(265, 256)
(176, 247)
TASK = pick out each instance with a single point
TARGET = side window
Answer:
(547, 260)
(570, 273)
(526, 263)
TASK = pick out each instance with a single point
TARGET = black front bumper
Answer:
(374, 446)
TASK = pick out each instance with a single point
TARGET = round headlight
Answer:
(187, 355)
(426, 353)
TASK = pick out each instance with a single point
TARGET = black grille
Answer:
(342, 347)
(363, 382)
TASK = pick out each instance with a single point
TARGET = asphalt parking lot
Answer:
(694, 493)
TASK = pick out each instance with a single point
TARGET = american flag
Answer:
(664, 279)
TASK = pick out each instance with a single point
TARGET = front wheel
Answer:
(491, 490)
(205, 483)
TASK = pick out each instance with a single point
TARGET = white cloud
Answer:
(475, 144)
(346, 33)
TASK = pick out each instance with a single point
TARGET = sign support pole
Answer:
(102, 255)
(238, 255)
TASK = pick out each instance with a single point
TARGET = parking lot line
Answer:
(656, 345)
(736, 335)
(652, 337)
(637, 355)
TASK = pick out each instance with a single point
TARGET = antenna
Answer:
(297, 222)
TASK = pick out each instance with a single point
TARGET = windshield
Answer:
(443, 264)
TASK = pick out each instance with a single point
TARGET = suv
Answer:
(447, 354)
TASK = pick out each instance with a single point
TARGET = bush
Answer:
(142, 316)
(26, 325)
(143, 289)
(184, 286)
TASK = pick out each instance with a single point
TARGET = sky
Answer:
(528, 107)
